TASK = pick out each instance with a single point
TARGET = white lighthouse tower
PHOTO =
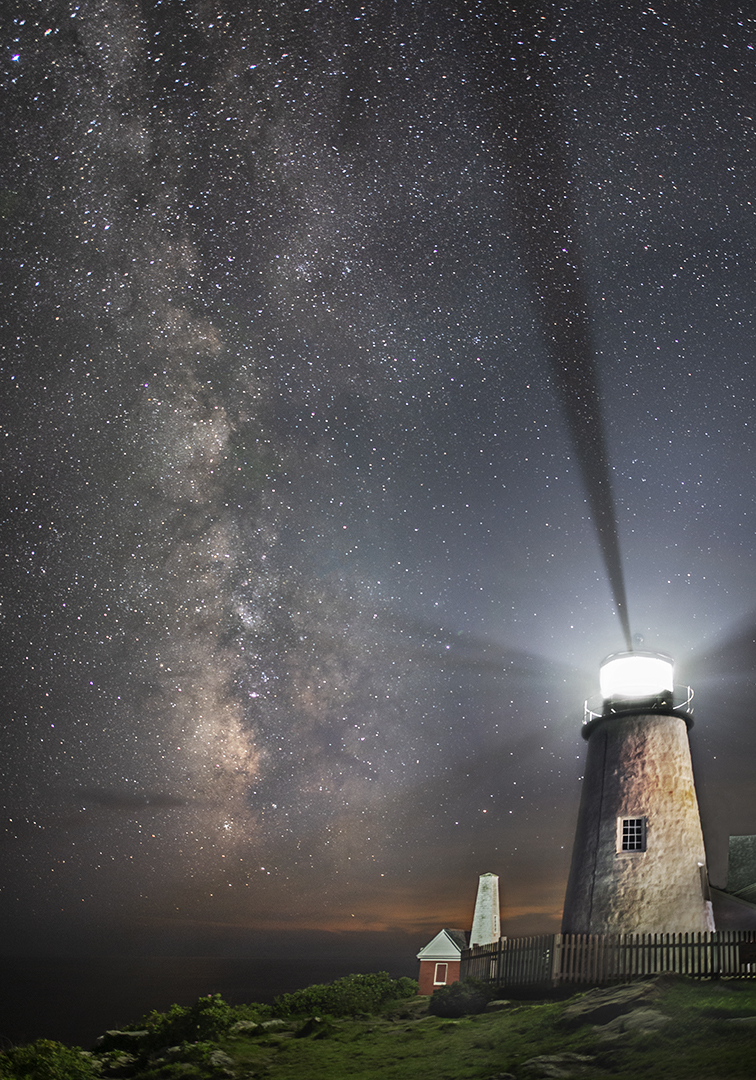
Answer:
(485, 925)
(638, 864)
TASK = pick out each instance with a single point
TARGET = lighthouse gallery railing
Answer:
(553, 959)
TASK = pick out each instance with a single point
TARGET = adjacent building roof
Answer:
(731, 911)
(446, 945)
(735, 905)
(741, 868)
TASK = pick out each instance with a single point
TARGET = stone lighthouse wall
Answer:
(638, 772)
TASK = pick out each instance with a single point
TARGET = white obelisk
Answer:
(486, 927)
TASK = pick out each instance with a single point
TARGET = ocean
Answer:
(75, 1000)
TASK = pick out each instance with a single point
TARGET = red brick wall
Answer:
(428, 971)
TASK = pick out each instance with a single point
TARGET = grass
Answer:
(407, 1044)
(402, 1041)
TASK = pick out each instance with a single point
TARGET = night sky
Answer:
(355, 358)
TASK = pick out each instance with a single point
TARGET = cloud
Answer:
(127, 800)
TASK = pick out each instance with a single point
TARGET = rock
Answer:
(251, 1027)
(118, 1064)
(494, 1006)
(316, 1027)
(120, 1040)
(242, 1027)
(557, 1066)
(642, 1021)
(185, 1055)
(221, 1059)
(222, 1062)
(602, 1006)
(171, 1053)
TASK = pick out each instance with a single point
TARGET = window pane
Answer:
(633, 834)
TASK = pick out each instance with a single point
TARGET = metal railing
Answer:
(682, 703)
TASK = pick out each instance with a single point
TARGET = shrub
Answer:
(345, 997)
(460, 998)
(406, 988)
(188, 1061)
(45, 1060)
(207, 1019)
(253, 1011)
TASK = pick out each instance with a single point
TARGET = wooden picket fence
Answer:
(550, 960)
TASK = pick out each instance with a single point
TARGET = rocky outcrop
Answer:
(641, 1021)
(221, 1063)
(251, 1027)
(556, 1066)
(603, 1005)
(120, 1040)
(618, 1012)
(244, 1027)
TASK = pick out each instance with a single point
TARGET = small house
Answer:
(440, 959)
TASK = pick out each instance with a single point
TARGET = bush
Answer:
(406, 988)
(345, 997)
(207, 1019)
(460, 998)
(46, 1060)
(253, 1011)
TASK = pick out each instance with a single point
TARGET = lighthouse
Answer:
(638, 863)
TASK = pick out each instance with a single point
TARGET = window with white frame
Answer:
(439, 979)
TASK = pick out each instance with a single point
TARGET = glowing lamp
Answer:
(636, 676)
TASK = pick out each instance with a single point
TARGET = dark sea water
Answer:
(75, 1000)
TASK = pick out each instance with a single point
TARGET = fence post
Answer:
(715, 963)
(556, 959)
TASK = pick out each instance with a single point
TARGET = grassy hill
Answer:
(668, 1028)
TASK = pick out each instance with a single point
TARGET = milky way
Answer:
(303, 590)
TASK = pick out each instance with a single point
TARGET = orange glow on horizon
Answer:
(412, 917)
